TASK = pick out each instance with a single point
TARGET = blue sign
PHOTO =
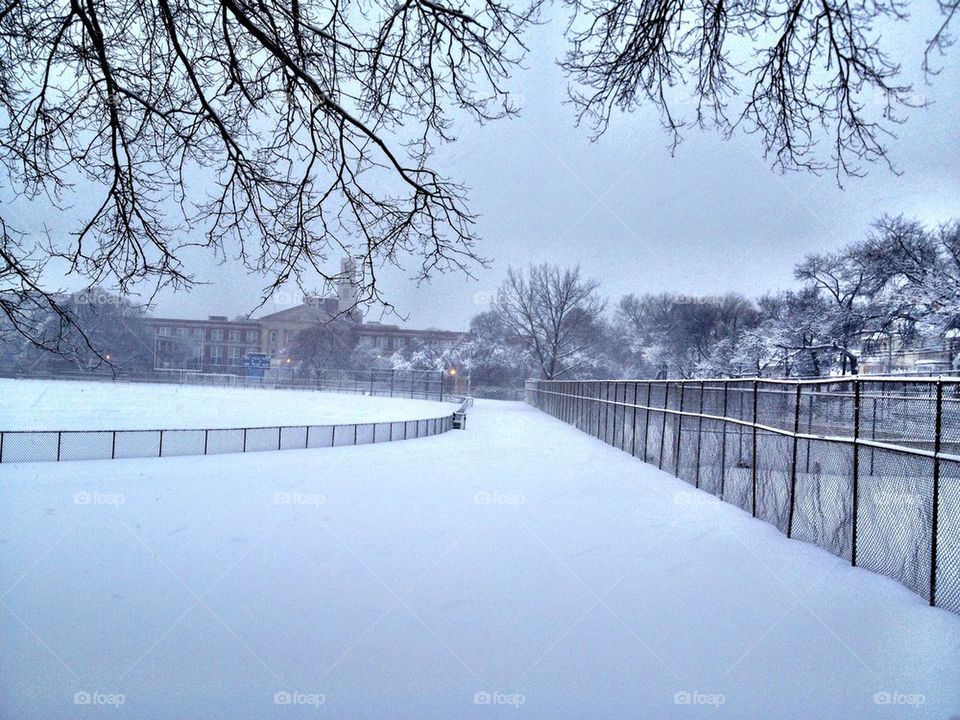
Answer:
(255, 365)
(259, 361)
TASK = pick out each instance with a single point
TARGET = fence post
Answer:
(696, 483)
(333, 435)
(244, 440)
(306, 441)
(616, 406)
(599, 408)
(753, 450)
(571, 402)
(279, 437)
(935, 510)
(354, 433)
(663, 425)
(793, 463)
(1, 445)
(856, 471)
(723, 442)
(676, 453)
(646, 422)
(575, 387)
(160, 451)
(623, 419)
(633, 432)
(59, 436)
(113, 446)
(606, 408)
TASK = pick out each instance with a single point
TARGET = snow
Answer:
(66, 405)
(519, 562)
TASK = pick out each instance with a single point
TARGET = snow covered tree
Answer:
(497, 359)
(848, 284)
(901, 282)
(325, 346)
(791, 334)
(280, 131)
(115, 334)
(555, 314)
(918, 274)
(679, 335)
(283, 131)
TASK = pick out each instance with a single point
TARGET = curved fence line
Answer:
(65, 445)
(414, 384)
(867, 468)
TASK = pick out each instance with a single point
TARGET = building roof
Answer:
(213, 320)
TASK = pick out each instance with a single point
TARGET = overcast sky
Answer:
(710, 219)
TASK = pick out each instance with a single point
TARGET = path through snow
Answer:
(518, 561)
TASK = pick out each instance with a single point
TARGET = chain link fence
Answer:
(866, 468)
(416, 384)
(63, 445)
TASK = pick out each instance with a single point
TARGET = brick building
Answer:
(218, 344)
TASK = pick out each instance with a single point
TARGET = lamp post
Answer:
(454, 373)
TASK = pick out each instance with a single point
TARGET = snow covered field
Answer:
(68, 405)
(517, 569)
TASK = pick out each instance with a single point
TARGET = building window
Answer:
(181, 331)
(163, 330)
(198, 332)
(216, 354)
(253, 335)
(216, 334)
(273, 337)
(383, 342)
(234, 336)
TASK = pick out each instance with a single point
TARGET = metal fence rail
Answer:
(64, 445)
(867, 468)
(415, 384)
